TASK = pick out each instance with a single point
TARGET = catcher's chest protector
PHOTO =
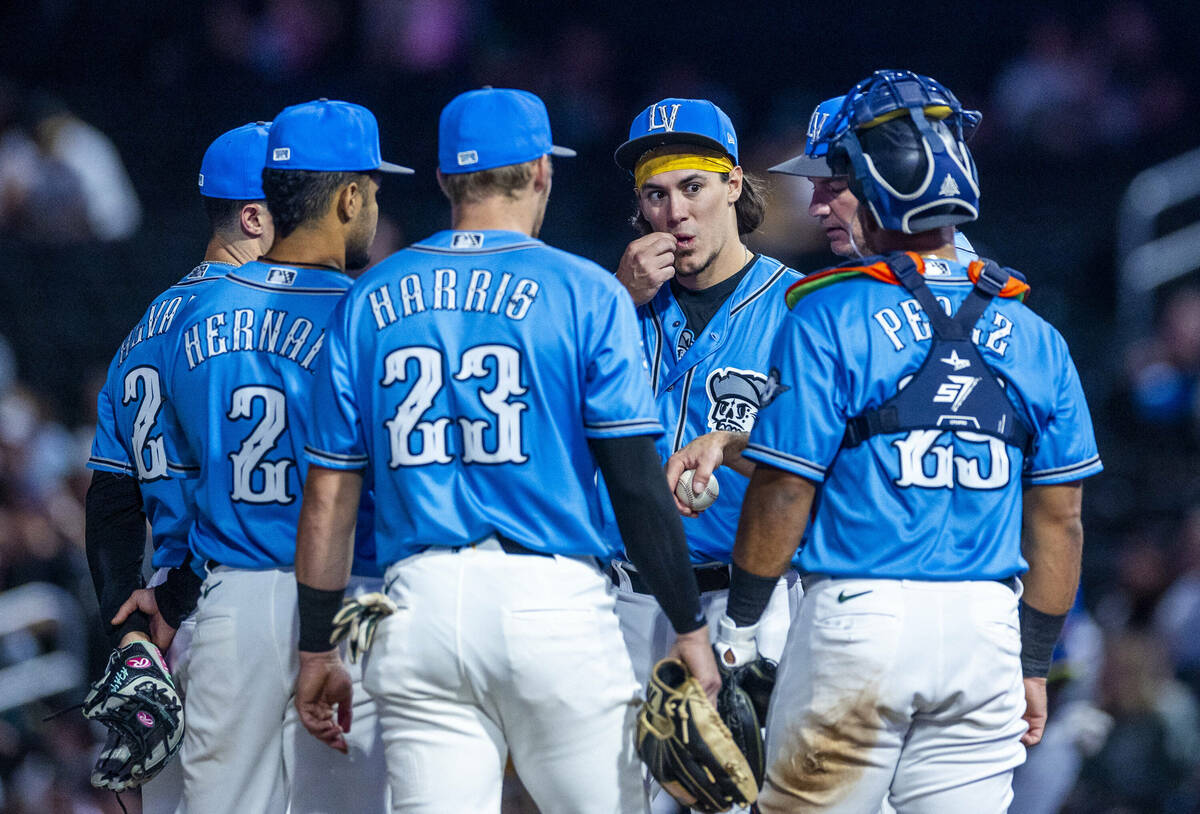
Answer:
(954, 389)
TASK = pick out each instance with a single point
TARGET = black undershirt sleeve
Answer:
(178, 594)
(650, 525)
(115, 540)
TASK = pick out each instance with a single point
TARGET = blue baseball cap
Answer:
(493, 127)
(233, 164)
(327, 136)
(812, 161)
(678, 121)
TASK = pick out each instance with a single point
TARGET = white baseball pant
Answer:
(492, 652)
(243, 748)
(909, 690)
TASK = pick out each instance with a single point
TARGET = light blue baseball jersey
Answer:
(237, 379)
(926, 504)
(714, 381)
(467, 373)
(128, 439)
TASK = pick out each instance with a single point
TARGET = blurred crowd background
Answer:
(106, 108)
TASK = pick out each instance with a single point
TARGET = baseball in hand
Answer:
(687, 496)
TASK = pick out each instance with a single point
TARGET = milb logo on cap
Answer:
(281, 154)
(468, 157)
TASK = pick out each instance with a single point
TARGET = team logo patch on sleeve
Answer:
(772, 388)
(736, 396)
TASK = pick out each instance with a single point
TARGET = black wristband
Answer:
(1039, 635)
(176, 597)
(748, 596)
(317, 609)
(138, 622)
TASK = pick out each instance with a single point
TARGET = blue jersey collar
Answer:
(463, 241)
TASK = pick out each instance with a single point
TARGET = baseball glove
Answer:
(742, 703)
(358, 619)
(136, 700)
(687, 748)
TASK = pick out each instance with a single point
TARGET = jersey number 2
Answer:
(248, 460)
(432, 447)
(148, 453)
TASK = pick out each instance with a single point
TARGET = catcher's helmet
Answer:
(900, 137)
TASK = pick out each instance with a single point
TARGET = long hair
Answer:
(751, 207)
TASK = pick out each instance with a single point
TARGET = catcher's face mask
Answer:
(904, 149)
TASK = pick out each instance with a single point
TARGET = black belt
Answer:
(507, 545)
(513, 547)
(708, 578)
(808, 580)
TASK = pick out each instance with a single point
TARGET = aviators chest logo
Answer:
(735, 396)
(683, 342)
(662, 119)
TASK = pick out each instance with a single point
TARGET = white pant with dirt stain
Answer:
(902, 690)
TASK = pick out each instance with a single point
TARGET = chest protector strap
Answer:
(953, 389)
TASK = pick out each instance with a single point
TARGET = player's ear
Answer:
(735, 185)
(254, 217)
(350, 198)
(542, 172)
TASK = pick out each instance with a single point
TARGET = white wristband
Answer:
(736, 645)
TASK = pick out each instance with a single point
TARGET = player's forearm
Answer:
(115, 541)
(735, 444)
(774, 516)
(325, 534)
(650, 526)
(1052, 543)
(324, 542)
(774, 513)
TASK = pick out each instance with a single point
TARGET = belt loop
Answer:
(620, 575)
(809, 580)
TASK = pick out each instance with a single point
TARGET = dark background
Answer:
(1075, 105)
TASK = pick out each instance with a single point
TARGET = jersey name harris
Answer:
(480, 292)
(245, 329)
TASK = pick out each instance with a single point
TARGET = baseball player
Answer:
(481, 377)
(832, 202)
(236, 382)
(129, 480)
(707, 309)
(945, 428)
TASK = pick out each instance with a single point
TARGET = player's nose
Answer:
(676, 208)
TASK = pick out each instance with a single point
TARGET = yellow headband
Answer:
(931, 112)
(660, 160)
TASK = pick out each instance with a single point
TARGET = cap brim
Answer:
(806, 165)
(387, 166)
(627, 154)
(564, 152)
